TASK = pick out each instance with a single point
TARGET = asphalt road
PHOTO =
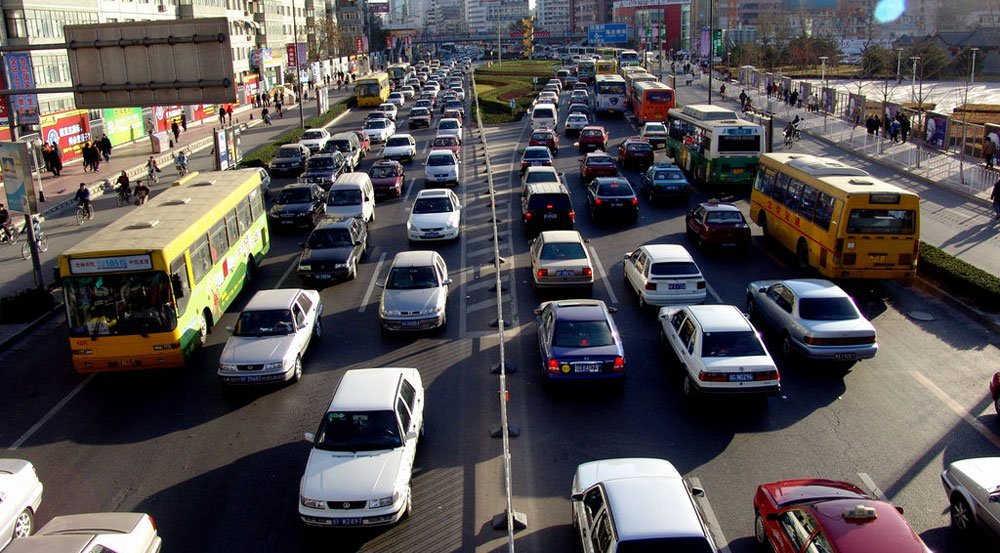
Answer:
(219, 468)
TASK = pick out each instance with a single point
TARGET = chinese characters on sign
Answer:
(21, 76)
(359, 44)
(142, 262)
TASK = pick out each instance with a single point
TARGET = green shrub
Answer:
(959, 277)
(494, 105)
(25, 306)
(263, 155)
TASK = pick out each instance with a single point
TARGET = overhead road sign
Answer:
(608, 33)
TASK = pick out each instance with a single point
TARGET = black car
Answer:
(612, 198)
(546, 206)
(578, 340)
(333, 250)
(296, 206)
(289, 160)
(323, 169)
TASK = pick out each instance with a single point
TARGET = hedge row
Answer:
(495, 104)
(25, 306)
(960, 278)
(262, 156)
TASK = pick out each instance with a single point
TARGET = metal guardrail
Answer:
(509, 519)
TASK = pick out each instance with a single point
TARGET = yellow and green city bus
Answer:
(837, 218)
(713, 145)
(372, 90)
(145, 291)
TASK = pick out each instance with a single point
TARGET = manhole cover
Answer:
(921, 316)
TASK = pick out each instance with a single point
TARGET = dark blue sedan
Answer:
(578, 340)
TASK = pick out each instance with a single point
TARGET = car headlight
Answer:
(383, 501)
(277, 365)
(227, 367)
(305, 267)
(340, 265)
(312, 503)
(451, 224)
(391, 312)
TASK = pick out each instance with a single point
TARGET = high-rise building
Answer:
(484, 17)
(552, 16)
(446, 17)
(584, 13)
(656, 19)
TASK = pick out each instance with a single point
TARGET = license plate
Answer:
(322, 275)
(587, 367)
(287, 222)
(432, 235)
(737, 171)
(550, 216)
(740, 377)
(410, 323)
(565, 272)
(346, 521)
(616, 204)
(844, 357)
(251, 379)
(676, 286)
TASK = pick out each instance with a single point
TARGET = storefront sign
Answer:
(166, 115)
(936, 130)
(122, 125)
(68, 129)
(260, 57)
(117, 264)
(21, 76)
(359, 45)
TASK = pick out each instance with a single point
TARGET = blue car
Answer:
(665, 180)
(578, 340)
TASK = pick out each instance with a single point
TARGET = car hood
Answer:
(345, 476)
(431, 220)
(412, 300)
(254, 350)
(385, 182)
(278, 209)
(344, 210)
(282, 160)
(436, 169)
(983, 472)
(310, 142)
(336, 255)
(734, 364)
(668, 182)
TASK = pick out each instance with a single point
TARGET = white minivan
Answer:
(441, 167)
(544, 116)
(352, 195)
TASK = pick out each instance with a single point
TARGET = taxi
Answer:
(813, 514)
(545, 137)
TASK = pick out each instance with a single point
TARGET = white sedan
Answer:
(400, 147)
(973, 490)
(20, 496)
(93, 533)
(314, 139)
(450, 126)
(664, 274)
(396, 98)
(379, 129)
(389, 109)
(271, 337)
(436, 215)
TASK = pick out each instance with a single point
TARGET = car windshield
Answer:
(541, 176)
(560, 251)
(440, 160)
(397, 141)
(330, 238)
(383, 172)
(342, 145)
(582, 334)
(350, 196)
(724, 217)
(614, 189)
(312, 135)
(411, 278)
(602, 160)
(320, 163)
(271, 322)
(289, 152)
(448, 124)
(674, 268)
(655, 128)
(455, 104)
(578, 118)
(294, 196)
(827, 309)
(536, 153)
(358, 431)
(592, 133)
(375, 124)
(421, 105)
(432, 205)
(731, 344)
(668, 175)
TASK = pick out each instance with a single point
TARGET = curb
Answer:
(30, 327)
(972, 312)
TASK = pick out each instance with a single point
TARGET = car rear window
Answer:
(603, 160)
(669, 175)
(731, 344)
(562, 251)
(614, 189)
(674, 268)
(342, 145)
(312, 135)
(543, 201)
(724, 217)
(639, 147)
(592, 133)
(827, 309)
(398, 141)
(582, 334)
(543, 114)
(544, 136)
(537, 153)
(439, 160)
(541, 176)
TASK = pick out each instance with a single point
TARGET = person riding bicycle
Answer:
(83, 199)
(123, 188)
(152, 169)
(5, 221)
(181, 161)
(795, 124)
(141, 192)
(789, 133)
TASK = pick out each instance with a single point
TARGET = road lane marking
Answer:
(287, 272)
(371, 285)
(604, 276)
(710, 518)
(711, 292)
(876, 491)
(52, 412)
(956, 408)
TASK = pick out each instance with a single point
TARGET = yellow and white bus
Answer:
(145, 291)
(372, 90)
(837, 219)
(606, 67)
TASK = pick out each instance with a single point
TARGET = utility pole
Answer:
(298, 64)
(711, 46)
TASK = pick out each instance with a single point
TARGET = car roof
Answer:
(414, 258)
(814, 288)
(715, 206)
(560, 236)
(542, 169)
(597, 153)
(433, 193)
(455, 119)
(344, 135)
(664, 165)
(593, 128)
(278, 298)
(887, 530)
(404, 134)
(547, 188)
(335, 222)
(370, 389)
(442, 152)
(579, 310)
(391, 162)
(719, 318)
(293, 185)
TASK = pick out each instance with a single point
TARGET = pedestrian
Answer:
(785, 95)
(722, 90)
(989, 152)
(277, 107)
(56, 159)
(184, 122)
(743, 98)
(894, 130)
(47, 156)
(265, 114)
(904, 126)
(995, 196)
(222, 115)
(793, 98)
(86, 155)
(104, 145)
(176, 130)
(229, 113)
(149, 127)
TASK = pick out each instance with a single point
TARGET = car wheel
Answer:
(787, 347)
(297, 369)
(961, 515)
(318, 328)
(24, 524)
(408, 510)
(688, 388)
(762, 223)
(802, 252)
(759, 533)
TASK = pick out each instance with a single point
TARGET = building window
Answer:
(15, 24)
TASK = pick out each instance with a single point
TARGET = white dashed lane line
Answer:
(710, 518)
(603, 275)
(371, 285)
(876, 491)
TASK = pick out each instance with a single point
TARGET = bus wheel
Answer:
(762, 223)
(803, 254)
(204, 328)
(248, 275)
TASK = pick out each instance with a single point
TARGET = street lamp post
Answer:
(298, 65)
(711, 46)
(822, 61)
(920, 102)
(913, 84)
(899, 65)
(965, 115)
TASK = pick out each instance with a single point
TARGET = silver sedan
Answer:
(814, 318)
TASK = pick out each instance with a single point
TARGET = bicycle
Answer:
(7, 234)
(84, 213)
(124, 198)
(41, 241)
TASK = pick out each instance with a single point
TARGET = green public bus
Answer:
(713, 145)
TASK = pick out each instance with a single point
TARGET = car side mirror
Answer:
(612, 310)
(411, 435)
(995, 497)
(697, 492)
(446, 281)
(309, 437)
(773, 516)
(578, 496)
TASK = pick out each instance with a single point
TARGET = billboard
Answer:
(381, 7)
(69, 130)
(16, 171)
(122, 125)
(22, 76)
(936, 130)
(297, 54)
(609, 33)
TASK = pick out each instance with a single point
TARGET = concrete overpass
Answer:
(540, 37)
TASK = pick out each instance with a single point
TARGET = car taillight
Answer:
(572, 215)
(713, 377)
(528, 216)
(765, 375)
(553, 366)
(549, 206)
(542, 272)
(619, 364)
(650, 286)
(151, 521)
(587, 271)
(635, 201)
(701, 284)
(597, 201)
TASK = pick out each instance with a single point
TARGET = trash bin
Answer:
(159, 142)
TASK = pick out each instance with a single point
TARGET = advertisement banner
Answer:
(992, 132)
(359, 45)
(381, 7)
(705, 42)
(201, 111)
(69, 130)
(16, 170)
(290, 55)
(936, 130)
(251, 87)
(165, 115)
(888, 114)
(21, 76)
(4, 113)
(805, 91)
(222, 150)
(122, 125)
(854, 112)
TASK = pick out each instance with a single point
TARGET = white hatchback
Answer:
(436, 215)
(664, 274)
(441, 167)
(20, 496)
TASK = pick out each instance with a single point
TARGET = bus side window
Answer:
(809, 198)
(780, 185)
(179, 282)
(257, 204)
(824, 211)
(217, 241)
(243, 217)
(231, 227)
(765, 180)
(201, 259)
(793, 196)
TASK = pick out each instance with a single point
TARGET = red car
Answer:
(597, 164)
(593, 137)
(635, 152)
(388, 178)
(715, 224)
(814, 514)
(995, 392)
(547, 138)
(447, 142)
(366, 143)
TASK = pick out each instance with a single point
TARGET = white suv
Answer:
(359, 468)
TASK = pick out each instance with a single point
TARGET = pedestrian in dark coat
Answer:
(176, 129)
(104, 146)
(47, 156)
(184, 122)
(56, 160)
(904, 125)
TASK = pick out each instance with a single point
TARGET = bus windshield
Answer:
(119, 304)
(368, 89)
